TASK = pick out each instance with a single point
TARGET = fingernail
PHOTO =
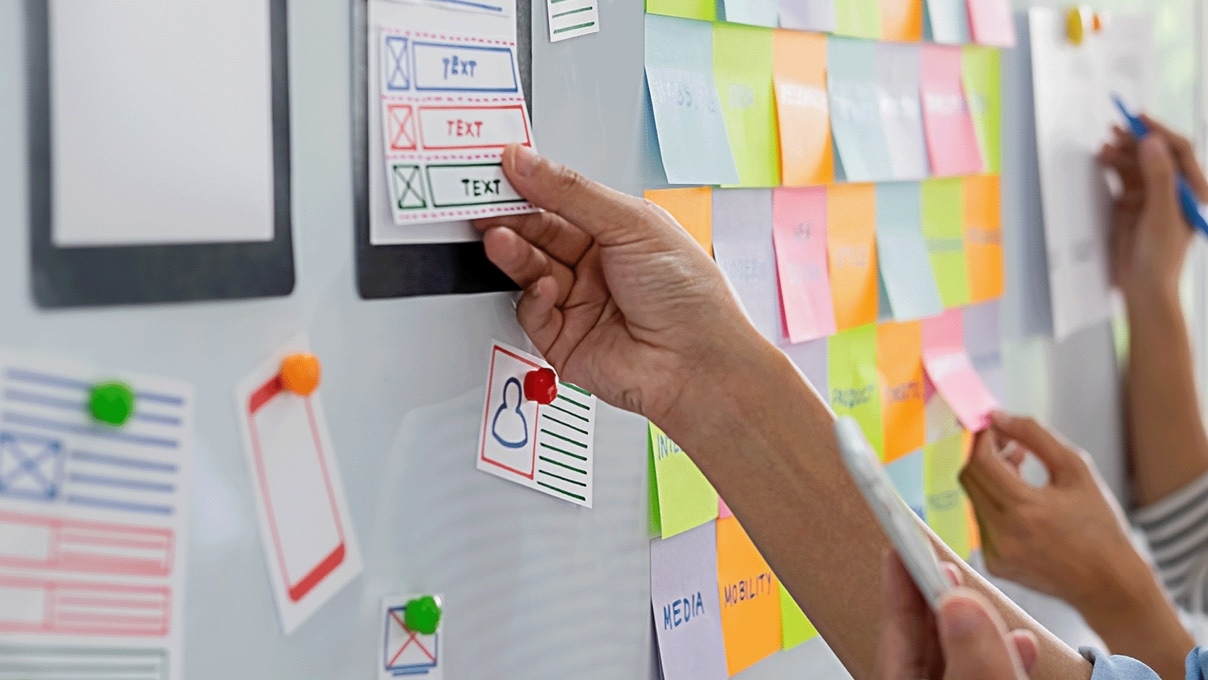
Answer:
(525, 162)
(960, 618)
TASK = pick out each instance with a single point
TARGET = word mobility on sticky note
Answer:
(950, 369)
(686, 499)
(854, 382)
(94, 519)
(803, 110)
(808, 15)
(943, 218)
(982, 70)
(688, 118)
(951, 139)
(450, 105)
(947, 22)
(742, 246)
(946, 500)
(750, 598)
(902, 253)
(851, 211)
(902, 20)
(305, 527)
(856, 110)
(983, 341)
(799, 233)
(572, 18)
(405, 652)
(687, 613)
(983, 236)
(900, 365)
(991, 22)
(858, 18)
(751, 12)
(742, 67)
(547, 447)
(692, 207)
(704, 10)
(906, 474)
(898, 89)
(795, 628)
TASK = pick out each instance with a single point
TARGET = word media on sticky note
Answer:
(546, 447)
(750, 598)
(799, 235)
(951, 139)
(686, 499)
(684, 600)
(950, 369)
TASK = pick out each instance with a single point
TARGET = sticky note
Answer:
(853, 380)
(941, 419)
(858, 18)
(900, 366)
(982, 71)
(751, 12)
(901, 112)
(856, 110)
(906, 474)
(902, 257)
(704, 10)
(656, 520)
(946, 514)
(799, 235)
(851, 211)
(750, 598)
(951, 140)
(742, 246)
(742, 68)
(692, 207)
(947, 21)
(808, 15)
(687, 111)
(983, 236)
(983, 341)
(811, 359)
(943, 217)
(687, 613)
(902, 20)
(723, 510)
(951, 371)
(795, 628)
(572, 18)
(991, 23)
(686, 499)
(802, 107)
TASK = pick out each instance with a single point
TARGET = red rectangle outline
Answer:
(482, 451)
(528, 137)
(61, 559)
(389, 142)
(323, 569)
(52, 588)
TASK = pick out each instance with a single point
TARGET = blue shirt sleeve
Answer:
(1125, 668)
(1197, 664)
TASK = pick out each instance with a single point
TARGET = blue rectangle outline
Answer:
(415, 72)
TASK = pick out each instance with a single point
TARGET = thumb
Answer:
(975, 640)
(1157, 168)
(608, 216)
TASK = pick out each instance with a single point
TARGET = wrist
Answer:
(1146, 293)
(1126, 596)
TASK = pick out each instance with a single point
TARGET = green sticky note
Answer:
(795, 628)
(686, 499)
(742, 70)
(982, 74)
(854, 382)
(943, 227)
(705, 10)
(858, 18)
(946, 513)
(656, 520)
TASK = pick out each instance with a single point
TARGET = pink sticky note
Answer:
(799, 235)
(951, 138)
(723, 510)
(992, 23)
(948, 365)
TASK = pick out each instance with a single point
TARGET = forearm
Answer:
(768, 447)
(1168, 445)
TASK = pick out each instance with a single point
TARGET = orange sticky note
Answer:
(851, 246)
(902, 20)
(692, 208)
(900, 366)
(799, 76)
(750, 598)
(983, 236)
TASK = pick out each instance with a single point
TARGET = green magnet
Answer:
(422, 615)
(111, 403)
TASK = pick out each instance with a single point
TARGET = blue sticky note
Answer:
(742, 246)
(855, 105)
(905, 266)
(687, 112)
(906, 473)
(947, 22)
(808, 15)
(901, 110)
(753, 12)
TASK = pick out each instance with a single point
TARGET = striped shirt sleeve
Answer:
(1176, 529)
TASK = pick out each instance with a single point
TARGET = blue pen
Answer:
(1187, 199)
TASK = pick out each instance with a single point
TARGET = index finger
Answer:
(992, 474)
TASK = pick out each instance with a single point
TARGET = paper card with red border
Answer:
(404, 652)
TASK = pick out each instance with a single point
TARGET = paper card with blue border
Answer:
(547, 447)
(404, 652)
(30, 466)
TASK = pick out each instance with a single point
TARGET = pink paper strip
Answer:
(949, 368)
(799, 235)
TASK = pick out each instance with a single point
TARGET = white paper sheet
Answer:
(406, 653)
(93, 520)
(572, 18)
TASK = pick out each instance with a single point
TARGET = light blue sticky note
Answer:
(905, 267)
(687, 112)
(947, 22)
(752, 12)
(898, 83)
(808, 15)
(811, 358)
(855, 105)
(742, 246)
(906, 473)
(983, 341)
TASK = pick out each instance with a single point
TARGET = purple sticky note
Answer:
(811, 358)
(687, 613)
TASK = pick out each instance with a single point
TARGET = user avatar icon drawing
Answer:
(509, 427)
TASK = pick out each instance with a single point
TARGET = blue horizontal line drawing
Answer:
(466, 3)
(122, 461)
(23, 375)
(110, 504)
(89, 430)
(81, 407)
(117, 482)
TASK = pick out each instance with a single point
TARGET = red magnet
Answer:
(541, 385)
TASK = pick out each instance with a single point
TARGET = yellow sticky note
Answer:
(902, 20)
(900, 365)
(946, 501)
(852, 379)
(750, 598)
(704, 10)
(686, 499)
(799, 74)
(742, 70)
(795, 627)
(983, 236)
(858, 19)
(943, 227)
(851, 246)
(692, 207)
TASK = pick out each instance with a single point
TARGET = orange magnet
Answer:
(300, 373)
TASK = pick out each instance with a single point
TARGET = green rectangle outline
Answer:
(428, 171)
